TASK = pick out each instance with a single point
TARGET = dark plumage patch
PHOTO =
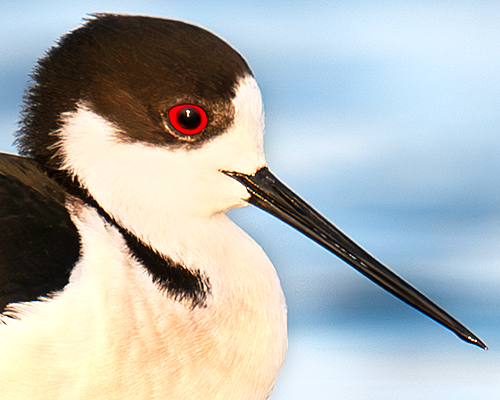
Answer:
(39, 245)
(131, 70)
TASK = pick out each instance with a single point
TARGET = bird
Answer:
(121, 275)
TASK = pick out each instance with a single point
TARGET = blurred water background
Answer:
(386, 117)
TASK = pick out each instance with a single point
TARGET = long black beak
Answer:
(269, 194)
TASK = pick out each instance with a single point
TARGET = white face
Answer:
(130, 178)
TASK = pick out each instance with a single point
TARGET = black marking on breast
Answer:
(176, 280)
(171, 277)
(39, 245)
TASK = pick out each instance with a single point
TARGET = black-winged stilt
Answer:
(120, 274)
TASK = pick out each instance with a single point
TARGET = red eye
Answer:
(187, 119)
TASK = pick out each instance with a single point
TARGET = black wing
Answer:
(39, 244)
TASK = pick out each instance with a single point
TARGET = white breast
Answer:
(112, 335)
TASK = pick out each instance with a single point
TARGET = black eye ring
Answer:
(187, 119)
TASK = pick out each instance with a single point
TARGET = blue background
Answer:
(386, 117)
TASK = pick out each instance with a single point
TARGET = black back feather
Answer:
(39, 244)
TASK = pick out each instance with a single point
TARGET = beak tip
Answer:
(478, 342)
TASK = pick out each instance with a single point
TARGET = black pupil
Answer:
(189, 118)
